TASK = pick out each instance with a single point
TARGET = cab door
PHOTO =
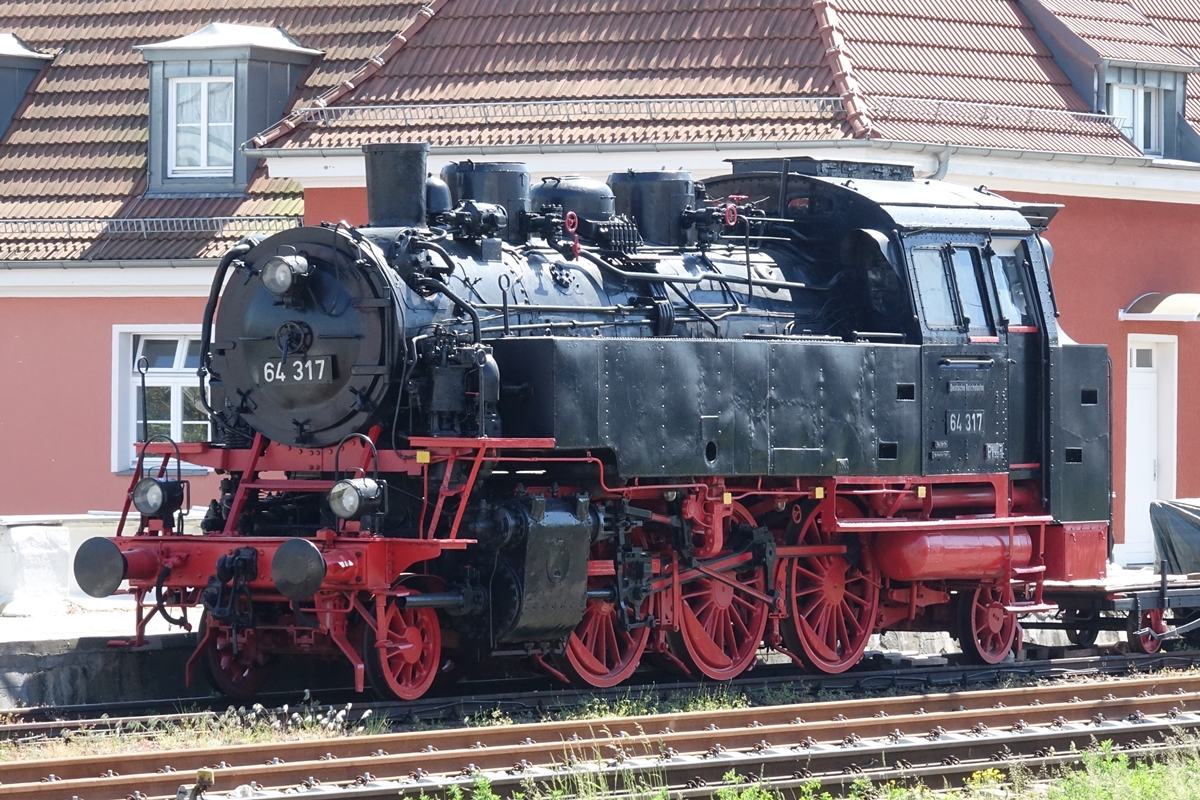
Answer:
(964, 362)
(1017, 322)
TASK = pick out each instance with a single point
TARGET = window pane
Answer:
(1010, 287)
(158, 401)
(160, 353)
(195, 431)
(187, 103)
(193, 409)
(1143, 358)
(1147, 142)
(963, 260)
(193, 355)
(187, 146)
(220, 145)
(933, 288)
(1122, 108)
(220, 103)
(156, 429)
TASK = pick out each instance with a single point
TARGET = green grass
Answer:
(255, 724)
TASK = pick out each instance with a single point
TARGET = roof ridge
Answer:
(843, 70)
(372, 66)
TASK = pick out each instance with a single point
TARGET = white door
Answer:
(1141, 453)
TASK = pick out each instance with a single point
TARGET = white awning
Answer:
(1157, 307)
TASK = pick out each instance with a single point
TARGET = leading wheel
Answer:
(405, 666)
(721, 623)
(238, 674)
(1153, 620)
(832, 600)
(986, 631)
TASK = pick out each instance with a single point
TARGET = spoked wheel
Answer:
(1153, 620)
(600, 652)
(722, 624)
(832, 600)
(986, 630)
(1081, 636)
(238, 675)
(406, 666)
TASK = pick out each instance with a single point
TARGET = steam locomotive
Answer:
(586, 423)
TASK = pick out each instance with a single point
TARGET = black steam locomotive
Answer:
(580, 422)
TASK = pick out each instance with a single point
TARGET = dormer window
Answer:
(1138, 113)
(1146, 105)
(200, 128)
(210, 91)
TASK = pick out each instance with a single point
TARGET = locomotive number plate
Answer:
(298, 370)
(961, 421)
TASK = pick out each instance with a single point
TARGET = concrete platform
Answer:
(69, 659)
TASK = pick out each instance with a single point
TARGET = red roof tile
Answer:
(1117, 30)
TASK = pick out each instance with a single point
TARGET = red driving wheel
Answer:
(722, 625)
(600, 651)
(832, 602)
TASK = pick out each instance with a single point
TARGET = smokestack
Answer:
(396, 184)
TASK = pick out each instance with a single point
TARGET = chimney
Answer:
(396, 184)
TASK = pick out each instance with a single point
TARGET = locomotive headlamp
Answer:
(354, 497)
(280, 273)
(157, 497)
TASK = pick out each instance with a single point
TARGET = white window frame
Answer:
(174, 170)
(126, 383)
(1134, 128)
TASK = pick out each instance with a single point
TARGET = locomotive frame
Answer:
(884, 430)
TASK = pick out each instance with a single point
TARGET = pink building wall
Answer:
(56, 400)
(1106, 254)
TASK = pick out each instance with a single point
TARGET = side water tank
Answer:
(502, 183)
(588, 198)
(656, 200)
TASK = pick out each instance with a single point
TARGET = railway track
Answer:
(544, 695)
(833, 742)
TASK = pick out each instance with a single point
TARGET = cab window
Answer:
(1012, 290)
(933, 288)
(965, 261)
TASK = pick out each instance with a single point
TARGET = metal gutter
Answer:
(897, 145)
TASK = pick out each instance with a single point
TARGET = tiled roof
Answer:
(892, 63)
(77, 148)
(1118, 31)
(984, 56)
(545, 72)
(513, 51)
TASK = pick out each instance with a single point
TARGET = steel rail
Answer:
(801, 727)
(543, 694)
